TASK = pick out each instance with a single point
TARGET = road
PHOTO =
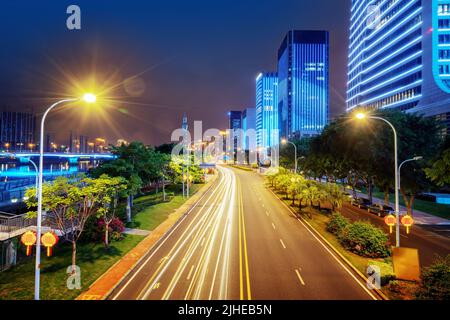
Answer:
(240, 243)
(429, 240)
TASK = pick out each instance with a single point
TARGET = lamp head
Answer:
(360, 115)
(418, 158)
(89, 98)
(283, 141)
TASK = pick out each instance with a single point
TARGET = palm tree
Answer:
(335, 196)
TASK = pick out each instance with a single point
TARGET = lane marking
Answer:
(167, 235)
(273, 226)
(328, 250)
(299, 277)
(244, 238)
(190, 272)
(267, 213)
(282, 243)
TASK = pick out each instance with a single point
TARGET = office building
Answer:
(267, 120)
(399, 57)
(249, 129)
(234, 141)
(303, 83)
(17, 130)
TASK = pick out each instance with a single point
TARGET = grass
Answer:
(92, 258)
(241, 167)
(151, 211)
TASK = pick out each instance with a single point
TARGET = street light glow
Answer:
(360, 115)
(283, 141)
(89, 98)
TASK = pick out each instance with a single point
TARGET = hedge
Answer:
(435, 283)
(337, 223)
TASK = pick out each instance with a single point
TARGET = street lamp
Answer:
(89, 98)
(401, 165)
(285, 141)
(362, 116)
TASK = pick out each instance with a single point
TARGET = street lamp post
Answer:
(89, 98)
(285, 141)
(401, 165)
(362, 116)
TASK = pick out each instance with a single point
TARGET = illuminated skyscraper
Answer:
(267, 121)
(303, 83)
(399, 56)
(249, 128)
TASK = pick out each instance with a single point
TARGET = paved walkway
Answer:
(137, 232)
(420, 217)
(104, 285)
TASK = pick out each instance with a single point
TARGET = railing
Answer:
(11, 224)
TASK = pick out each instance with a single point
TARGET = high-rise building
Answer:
(267, 121)
(303, 83)
(17, 130)
(249, 129)
(235, 129)
(399, 56)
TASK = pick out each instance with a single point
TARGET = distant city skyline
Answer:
(201, 58)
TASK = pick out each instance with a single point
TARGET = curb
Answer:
(336, 251)
(188, 204)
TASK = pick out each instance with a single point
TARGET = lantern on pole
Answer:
(390, 221)
(49, 240)
(407, 221)
(29, 239)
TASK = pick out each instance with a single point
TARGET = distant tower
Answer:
(184, 124)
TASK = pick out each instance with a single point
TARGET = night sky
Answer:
(200, 57)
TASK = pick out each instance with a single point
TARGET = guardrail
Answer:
(14, 223)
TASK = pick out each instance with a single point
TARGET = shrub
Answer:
(116, 228)
(337, 223)
(436, 281)
(255, 166)
(365, 240)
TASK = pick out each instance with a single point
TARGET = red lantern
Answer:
(407, 221)
(390, 220)
(49, 240)
(29, 239)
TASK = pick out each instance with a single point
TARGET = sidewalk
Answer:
(420, 217)
(104, 285)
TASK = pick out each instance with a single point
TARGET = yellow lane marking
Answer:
(241, 209)
(241, 285)
(299, 277)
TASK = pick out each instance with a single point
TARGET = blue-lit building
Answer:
(249, 129)
(399, 56)
(235, 129)
(267, 120)
(303, 83)
(17, 130)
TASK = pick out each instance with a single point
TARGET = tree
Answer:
(109, 190)
(439, 171)
(334, 195)
(139, 164)
(69, 204)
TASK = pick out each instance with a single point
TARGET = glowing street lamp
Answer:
(363, 116)
(285, 141)
(88, 98)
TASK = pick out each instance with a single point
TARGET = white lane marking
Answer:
(299, 277)
(328, 250)
(167, 236)
(282, 243)
(190, 272)
(267, 213)
(273, 226)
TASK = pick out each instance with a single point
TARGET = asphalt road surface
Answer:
(240, 242)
